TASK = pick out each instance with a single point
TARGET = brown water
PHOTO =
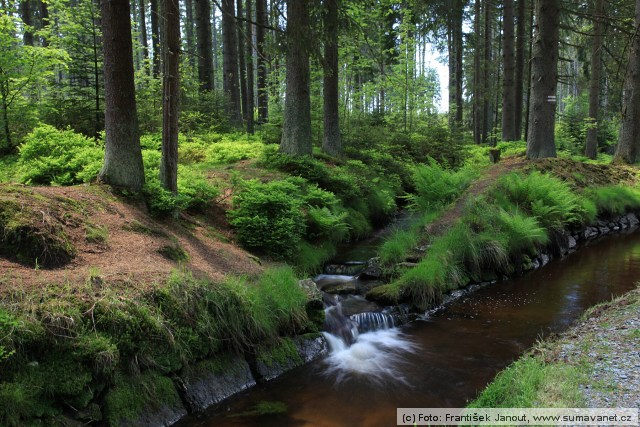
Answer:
(460, 349)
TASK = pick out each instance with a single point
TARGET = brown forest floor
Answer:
(130, 255)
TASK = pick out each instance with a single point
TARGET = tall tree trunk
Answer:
(544, 80)
(487, 51)
(8, 144)
(296, 130)
(171, 96)
(27, 19)
(629, 137)
(143, 30)
(508, 82)
(331, 142)
(44, 19)
(122, 157)
(477, 75)
(528, 79)
(230, 61)
(193, 53)
(242, 63)
(97, 125)
(216, 64)
(204, 45)
(155, 38)
(520, 61)
(261, 62)
(250, 79)
(459, 70)
(591, 147)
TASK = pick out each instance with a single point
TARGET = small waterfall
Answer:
(364, 344)
(369, 322)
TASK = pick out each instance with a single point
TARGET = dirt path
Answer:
(490, 176)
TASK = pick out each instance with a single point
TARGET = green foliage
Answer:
(311, 257)
(395, 248)
(268, 218)
(174, 251)
(195, 192)
(52, 156)
(284, 299)
(437, 186)
(132, 395)
(96, 233)
(547, 198)
(531, 383)
(614, 200)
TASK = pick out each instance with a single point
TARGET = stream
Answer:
(441, 360)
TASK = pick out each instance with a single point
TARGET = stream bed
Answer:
(444, 359)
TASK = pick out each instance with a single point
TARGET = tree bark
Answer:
(27, 19)
(520, 62)
(591, 146)
(261, 62)
(171, 96)
(230, 61)
(191, 20)
(544, 80)
(250, 79)
(44, 20)
(204, 45)
(629, 137)
(331, 141)
(477, 75)
(455, 43)
(242, 63)
(296, 132)
(155, 38)
(508, 81)
(487, 51)
(143, 30)
(123, 157)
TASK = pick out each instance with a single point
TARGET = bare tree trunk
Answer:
(331, 142)
(296, 130)
(519, 73)
(155, 38)
(189, 31)
(242, 63)
(44, 19)
(591, 147)
(204, 46)
(230, 61)
(486, 109)
(508, 82)
(544, 80)
(143, 30)
(97, 126)
(4, 94)
(171, 96)
(459, 69)
(477, 73)
(629, 137)
(123, 157)
(27, 19)
(528, 79)
(250, 79)
(263, 94)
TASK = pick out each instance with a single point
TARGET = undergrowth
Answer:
(58, 349)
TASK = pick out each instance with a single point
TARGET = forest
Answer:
(171, 171)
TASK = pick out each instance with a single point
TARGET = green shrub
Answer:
(614, 200)
(52, 156)
(268, 218)
(437, 186)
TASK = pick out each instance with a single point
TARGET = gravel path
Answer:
(609, 338)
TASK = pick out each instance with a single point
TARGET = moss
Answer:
(96, 233)
(133, 395)
(282, 353)
(140, 228)
(174, 252)
(31, 229)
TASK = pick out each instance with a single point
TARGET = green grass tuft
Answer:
(615, 199)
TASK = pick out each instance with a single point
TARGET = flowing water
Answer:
(442, 360)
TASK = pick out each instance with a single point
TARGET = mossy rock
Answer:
(385, 295)
(31, 231)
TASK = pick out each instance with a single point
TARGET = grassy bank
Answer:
(494, 231)
(556, 372)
